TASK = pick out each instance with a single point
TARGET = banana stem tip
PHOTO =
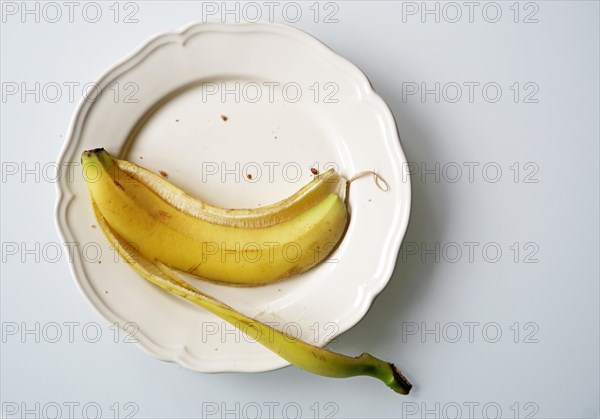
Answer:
(401, 384)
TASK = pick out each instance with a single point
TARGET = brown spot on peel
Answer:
(164, 214)
(294, 270)
(193, 268)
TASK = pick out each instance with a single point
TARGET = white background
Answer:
(545, 363)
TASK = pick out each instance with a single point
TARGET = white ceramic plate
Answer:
(291, 105)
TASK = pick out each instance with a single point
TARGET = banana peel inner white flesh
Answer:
(299, 353)
(328, 182)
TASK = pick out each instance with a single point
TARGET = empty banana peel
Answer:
(171, 229)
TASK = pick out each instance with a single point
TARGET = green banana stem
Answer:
(299, 353)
